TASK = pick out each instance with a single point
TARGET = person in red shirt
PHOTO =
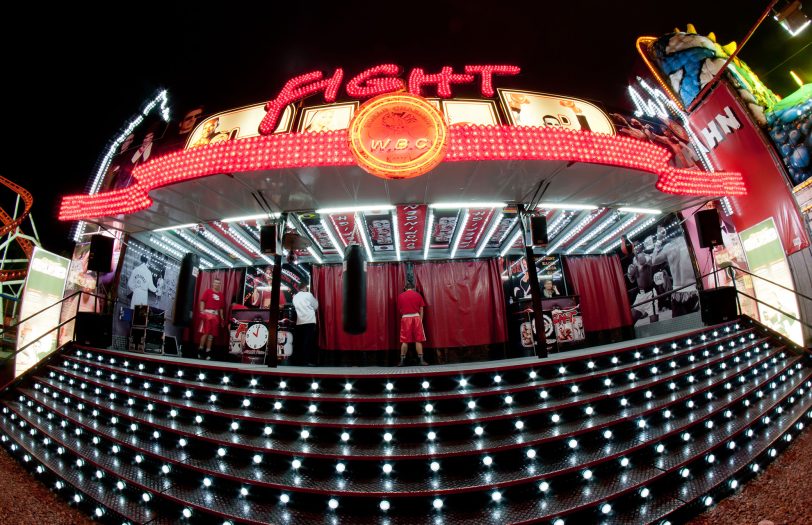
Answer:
(410, 307)
(211, 317)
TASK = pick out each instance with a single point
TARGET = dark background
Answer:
(74, 74)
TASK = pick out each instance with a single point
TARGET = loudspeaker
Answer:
(269, 239)
(538, 231)
(354, 290)
(101, 254)
(718, 305)
(708, 229)
(94, 329)
(185, 296)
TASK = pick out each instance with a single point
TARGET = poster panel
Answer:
(43, 289)
(550, 274)
(735, 144)
(257, 288)
(525, 108)
(380, 231)
(478, 219)
(765, 255)
(445, 223)
(470, 112)
(331, 117)
(235, 124)
(660, 261)
(411, 226)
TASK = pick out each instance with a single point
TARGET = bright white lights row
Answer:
(575, 230)
(250, 246)
(202, 247)
(161, 98)
(223, 246)
(496, 495)
(612, 234)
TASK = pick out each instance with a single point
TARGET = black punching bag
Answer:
(354, 290)
(185, 297)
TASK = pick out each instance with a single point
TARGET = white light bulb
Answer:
(333, 503)
(487, 461)
(437, 503)
(496, 495)
(624, 462)
(607, 434)
(387, 468)
(257, 459)
(531, 454)
(340, 467)
(434, 466)
(431, 436)
(479, 431)
(573, 443)
(221, 452)
(387, 437)
(345, 436)
(587, 474)
(384, 505)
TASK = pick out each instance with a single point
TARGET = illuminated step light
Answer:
(496, 496)
(431, 436)
(624, 462)
(384, 505)
(645, 492)
(345, 436)
(479, 431)
(437, 503)
(333, 503)
(587, 474)
(606, 508)
(434, 466)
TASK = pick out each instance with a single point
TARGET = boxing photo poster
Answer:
(657, 261)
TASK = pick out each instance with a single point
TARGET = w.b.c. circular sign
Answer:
(398, 136)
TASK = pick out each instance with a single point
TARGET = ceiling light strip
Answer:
(330, 236)
(484, 242)
(575, 230)
(460, 233)
(396, 232)
(355, 209)
(314, 255)
(201, 247)
(613, 233)
(361, 223)
(642, 226)
(608, 221)
(428, 235)
(185, 249)
(511, 243)
(212, 238)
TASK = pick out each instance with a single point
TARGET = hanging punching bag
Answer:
(354, 290)
(185, 296)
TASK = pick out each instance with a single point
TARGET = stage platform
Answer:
(444, 369)
(645, 431)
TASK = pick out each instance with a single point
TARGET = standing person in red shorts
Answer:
(410, 306)
(211, 317)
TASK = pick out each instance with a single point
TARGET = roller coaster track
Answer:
(10, 224)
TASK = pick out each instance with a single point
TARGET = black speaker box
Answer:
(185, 296)
(718, 305)
(100, 258)
(268, 239)
(354, 291)
(538, 231)
(708, 228)
(94, 329)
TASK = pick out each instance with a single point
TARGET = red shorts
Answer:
(209, 324)
(411, 330)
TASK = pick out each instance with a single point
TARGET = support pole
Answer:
(535, 290)
(276, 285)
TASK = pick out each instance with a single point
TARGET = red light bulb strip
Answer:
(468, 143)
(367, 84)
(487, 73)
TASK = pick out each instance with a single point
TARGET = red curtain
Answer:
(599, 282)
(232, 280)
(465, 305)
(384, 283)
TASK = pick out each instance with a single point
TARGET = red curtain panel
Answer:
(232, 280)
(599, 282)
(465, 303)
(384, 283)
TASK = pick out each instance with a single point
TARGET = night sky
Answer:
(74, 75)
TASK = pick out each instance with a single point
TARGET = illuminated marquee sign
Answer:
(398, 136)
(376, 81)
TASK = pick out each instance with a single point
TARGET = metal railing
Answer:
(698, 284)
(13, 327)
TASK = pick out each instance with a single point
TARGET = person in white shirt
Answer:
(140, 283)
(304, 340)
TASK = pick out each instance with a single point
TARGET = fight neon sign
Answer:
(379, 80)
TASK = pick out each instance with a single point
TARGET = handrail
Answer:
(769, 281)
(19, 350)
(74, 294)
(785, 314)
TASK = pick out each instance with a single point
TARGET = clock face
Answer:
(257, 336)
